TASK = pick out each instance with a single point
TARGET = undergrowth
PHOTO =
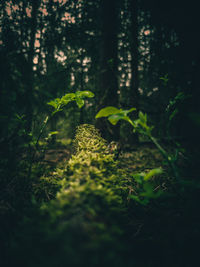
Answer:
(95, 211)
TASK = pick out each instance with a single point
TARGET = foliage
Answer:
(130, 53)
(78, 96)
(86, 216)
(58, 104)
(172, 108)
(94, 206)
(140, 126)
(147, 190)
(22, 166)
(114, 114)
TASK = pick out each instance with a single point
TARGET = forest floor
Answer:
(142, 157)
(162, 230)
(149, 223)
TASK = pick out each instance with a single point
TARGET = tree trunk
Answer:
(134, 83)
(108, 83)
(134, 54)
(30, 74)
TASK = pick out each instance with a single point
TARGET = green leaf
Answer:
(17, 116)
(138, 177)
(52, 133)
(125, 112)
(114, 114)
(149, 192)
(53, 103)
(79, 102)
(173, 114)
(180, 96)
(134, 197)
(105, 112)
(116, 117)
(59, 103)
(165, 79)
(143, 117)
(82, 94)
(67, 98)
(152, 173)
(113, 119)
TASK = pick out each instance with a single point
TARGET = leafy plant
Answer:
(58, 104)
(140, 126)
(146, 188)
(172, 108)
(165, 79)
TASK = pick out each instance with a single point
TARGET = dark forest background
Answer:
(120, 50)
(129, 53)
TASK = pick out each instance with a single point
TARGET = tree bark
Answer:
(134, 83)
(30, 74)
(108, 81)
(134, 54)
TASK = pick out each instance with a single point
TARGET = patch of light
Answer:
(72, 79)
(128, 83)
(146, 32)
(86, 79)
(60, 56)
(155, 89)
(141, 91)
(35, 60)
(86, 60)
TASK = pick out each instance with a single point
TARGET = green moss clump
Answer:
(90, 173)
(88, 139)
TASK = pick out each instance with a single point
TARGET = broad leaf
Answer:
(79, 102)
(125, 112)
(69, 97)
(116, 117)
(152, 173)
(82, 94)
(105, 112)
(54, 103)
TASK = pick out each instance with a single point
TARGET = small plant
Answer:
(140, 126)
(146, 189)
(58, 105)
(165, 79)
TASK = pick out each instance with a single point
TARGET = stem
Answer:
(42, 129)
(165, 155)
(162, 151)
(36, 144)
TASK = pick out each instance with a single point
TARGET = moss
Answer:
(86, 218)
(88, 139)
(91, 170)
(85, 223)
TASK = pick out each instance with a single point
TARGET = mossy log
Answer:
(84, 224)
